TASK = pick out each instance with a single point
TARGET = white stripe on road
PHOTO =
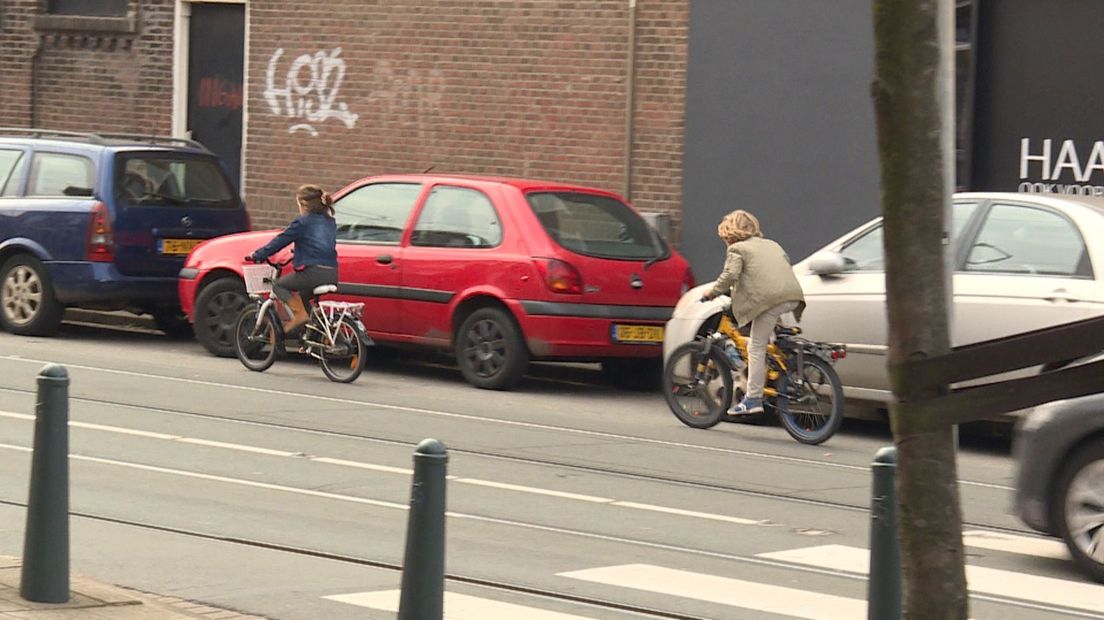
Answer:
(387, 469)
(751, 595)
(457, 606)
(1023, 545)
(406, 472)
(1008, 584)
(526, 489)
(224, 479)
(691, 513)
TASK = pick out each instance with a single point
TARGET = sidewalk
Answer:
(93, 600)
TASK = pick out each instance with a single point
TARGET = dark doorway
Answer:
(216, 44)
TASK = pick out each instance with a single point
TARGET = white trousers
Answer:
(762, 328)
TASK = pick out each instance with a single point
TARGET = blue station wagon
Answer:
(104, 222)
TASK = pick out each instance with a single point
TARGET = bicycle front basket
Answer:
(258, 278)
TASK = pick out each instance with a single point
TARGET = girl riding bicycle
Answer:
(758, 277)
(314, 234)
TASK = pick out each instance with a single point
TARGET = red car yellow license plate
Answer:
(637, 334)
(177, 246)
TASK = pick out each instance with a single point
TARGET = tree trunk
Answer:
(909, 122)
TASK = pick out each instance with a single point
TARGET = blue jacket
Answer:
(315, 237)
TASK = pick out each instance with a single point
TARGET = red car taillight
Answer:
(101, 242)
(559, 276)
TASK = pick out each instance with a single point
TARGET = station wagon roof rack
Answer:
(153, 139)
(97, 138)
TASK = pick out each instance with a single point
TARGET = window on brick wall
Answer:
(99, 8)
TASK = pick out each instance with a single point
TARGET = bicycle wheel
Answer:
(810, 401)
(697, 385)
(343, 359)
(256, 344)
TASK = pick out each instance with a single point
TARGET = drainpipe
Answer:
(34, 81)
(630, 95)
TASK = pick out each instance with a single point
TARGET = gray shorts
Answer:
(303, 282)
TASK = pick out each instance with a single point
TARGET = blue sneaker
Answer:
(747, 406)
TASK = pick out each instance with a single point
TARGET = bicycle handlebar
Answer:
(278, 266)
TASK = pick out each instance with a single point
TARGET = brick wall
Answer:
(110, 82)
(661, 50)
(533, 88)
(17, 46)
(89, 80)
(512, 87)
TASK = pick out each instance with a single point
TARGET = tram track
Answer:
(529, 589)
(623, 473)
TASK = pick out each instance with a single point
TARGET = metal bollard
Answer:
(45, 576)
(884, 585)
(423, 576)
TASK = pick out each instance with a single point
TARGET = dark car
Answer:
(104, 222)
(499, 271)
(1059, 451)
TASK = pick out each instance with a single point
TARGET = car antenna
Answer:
(429, 168)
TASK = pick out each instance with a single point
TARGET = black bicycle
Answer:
(334, 334)
(701, 381)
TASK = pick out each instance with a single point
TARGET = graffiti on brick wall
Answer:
(409, 97)
(309, 91)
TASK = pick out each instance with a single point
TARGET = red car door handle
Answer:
(384, 259)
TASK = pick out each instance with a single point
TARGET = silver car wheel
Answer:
(21, 295)
(1085, 510)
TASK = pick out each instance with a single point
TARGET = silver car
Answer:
(1021, 262)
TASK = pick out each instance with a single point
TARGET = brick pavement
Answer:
(94, 600)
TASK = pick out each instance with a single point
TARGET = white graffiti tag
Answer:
(312, 99)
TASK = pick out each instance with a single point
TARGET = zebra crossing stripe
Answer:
(1009, 543)
(725, 591)
(1058, 592)
(457, 606)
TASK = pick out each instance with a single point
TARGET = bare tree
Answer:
(907, 105)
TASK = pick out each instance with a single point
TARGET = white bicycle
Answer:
(334, 334)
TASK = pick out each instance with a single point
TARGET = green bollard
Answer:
(45, 576)
(884, 585)
(423, 575)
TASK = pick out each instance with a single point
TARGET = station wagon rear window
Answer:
(595, 225)
(166, 180)
(9, 163)
(60, 174)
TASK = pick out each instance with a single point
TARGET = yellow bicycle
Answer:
(703, 377)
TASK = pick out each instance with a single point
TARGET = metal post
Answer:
(45, 577)
(884, 586)
(423, 576)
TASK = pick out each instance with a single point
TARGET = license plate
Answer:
(177, 246)
(637, 334)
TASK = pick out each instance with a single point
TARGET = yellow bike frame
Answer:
(729, 329)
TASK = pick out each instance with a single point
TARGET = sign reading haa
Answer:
(1046, 163)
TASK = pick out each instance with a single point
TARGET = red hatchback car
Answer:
(501, 271)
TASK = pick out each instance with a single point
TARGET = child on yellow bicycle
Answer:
(757, 275)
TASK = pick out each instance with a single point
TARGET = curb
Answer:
(116, 318)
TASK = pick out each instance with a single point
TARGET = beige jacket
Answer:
(758, 276)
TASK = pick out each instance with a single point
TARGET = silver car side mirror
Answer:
(826, 263)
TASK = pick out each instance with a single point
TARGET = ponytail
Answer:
(315, 199)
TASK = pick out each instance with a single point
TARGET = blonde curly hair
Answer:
(738, 226)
